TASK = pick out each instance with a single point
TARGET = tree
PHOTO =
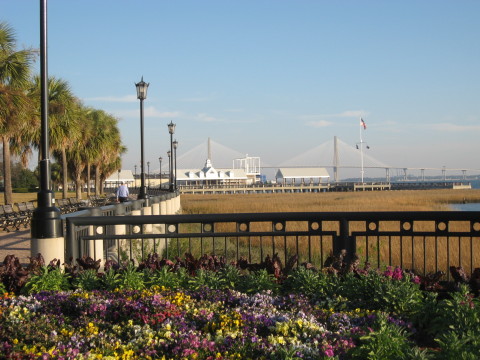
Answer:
(64, 126)
(15, 70)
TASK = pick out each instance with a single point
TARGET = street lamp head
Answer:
(175, 144)
(169, 153)
(142, 88)
(160, 159)
(171, 128)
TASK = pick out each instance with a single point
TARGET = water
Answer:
(466, 207)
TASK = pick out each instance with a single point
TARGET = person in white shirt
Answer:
(122, 192)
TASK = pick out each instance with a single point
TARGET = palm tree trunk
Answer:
(7, 172)
(78, 187)
(88, 179)
(65, 173)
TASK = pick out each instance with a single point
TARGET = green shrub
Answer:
(87, 280)
(20, 190)
(386, 341)
(258, 281)
(48, 280)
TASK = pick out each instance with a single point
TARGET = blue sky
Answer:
(274, 79)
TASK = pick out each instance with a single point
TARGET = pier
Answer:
(321, 187)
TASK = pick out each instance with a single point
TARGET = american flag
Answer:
(362, 123)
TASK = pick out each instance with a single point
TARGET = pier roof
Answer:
(302, 173)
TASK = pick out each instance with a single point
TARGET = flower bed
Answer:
(165, 313)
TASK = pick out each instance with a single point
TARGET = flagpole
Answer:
(361, 148)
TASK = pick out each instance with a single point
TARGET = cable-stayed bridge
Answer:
(342, 160)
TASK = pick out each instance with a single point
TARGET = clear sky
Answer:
(274, 78)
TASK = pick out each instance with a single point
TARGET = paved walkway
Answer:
(15, 243)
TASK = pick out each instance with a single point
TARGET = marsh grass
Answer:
(415, 252)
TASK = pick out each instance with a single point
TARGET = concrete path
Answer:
(15, 243)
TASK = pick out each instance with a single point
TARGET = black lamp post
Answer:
(118, 178)
(169, 153)
(142, 88)
(171, 130)
(175, 144)
(160, 172)
(46, 221)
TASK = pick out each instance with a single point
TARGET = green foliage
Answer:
(378, 292)
(3, 289)
(87, 280)
(456, 325)
(310, 283)
(111, 280)
(131, 279)
(230, 277)
(285, 354)
(206, 278)
(460, 347)
(23, 179)
(48, 280)
(165, 277)
(386, 341)
(258, 281)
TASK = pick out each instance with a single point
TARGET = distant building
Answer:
(251, 166)
(208, 175)
(114, 180)
(310, 175)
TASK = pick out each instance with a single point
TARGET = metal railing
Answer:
(424, 242)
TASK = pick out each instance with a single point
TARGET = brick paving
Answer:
(15, 243)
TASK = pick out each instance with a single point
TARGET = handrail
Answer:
(425, 241)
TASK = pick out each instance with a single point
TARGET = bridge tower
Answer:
(335, 159)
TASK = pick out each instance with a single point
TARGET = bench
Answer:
(11, 218)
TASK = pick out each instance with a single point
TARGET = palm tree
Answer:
(15, 70)
(64, 127)
(105, 147)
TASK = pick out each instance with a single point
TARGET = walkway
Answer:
(15, 243)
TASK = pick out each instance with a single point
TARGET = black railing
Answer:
(424, 242)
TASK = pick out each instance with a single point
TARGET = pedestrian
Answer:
(122, 192)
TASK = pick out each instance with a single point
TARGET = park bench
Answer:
(64, 205)
(12, 219)
(97, 200)
(23, 210)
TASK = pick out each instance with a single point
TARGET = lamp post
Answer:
(148, 175)
(175, 144)
(169, 153)
(171, 130)
(160, 172)
(118, 178)
(142, 88)
(46, 221)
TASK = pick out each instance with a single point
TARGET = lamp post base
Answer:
(46, 221)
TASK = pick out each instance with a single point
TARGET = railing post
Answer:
(71, 247)
(344, 241)
(95, 247)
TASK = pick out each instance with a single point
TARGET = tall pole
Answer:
(175, 145)
(361, 148)
(169, 153)
(46, 222)
(142, 88)
(143, 191)
(171, 130)
(160, 172)
(148, 174)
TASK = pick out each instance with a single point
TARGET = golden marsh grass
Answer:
(416, 252)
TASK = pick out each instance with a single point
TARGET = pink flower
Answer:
(397, 274)
(329, 353)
